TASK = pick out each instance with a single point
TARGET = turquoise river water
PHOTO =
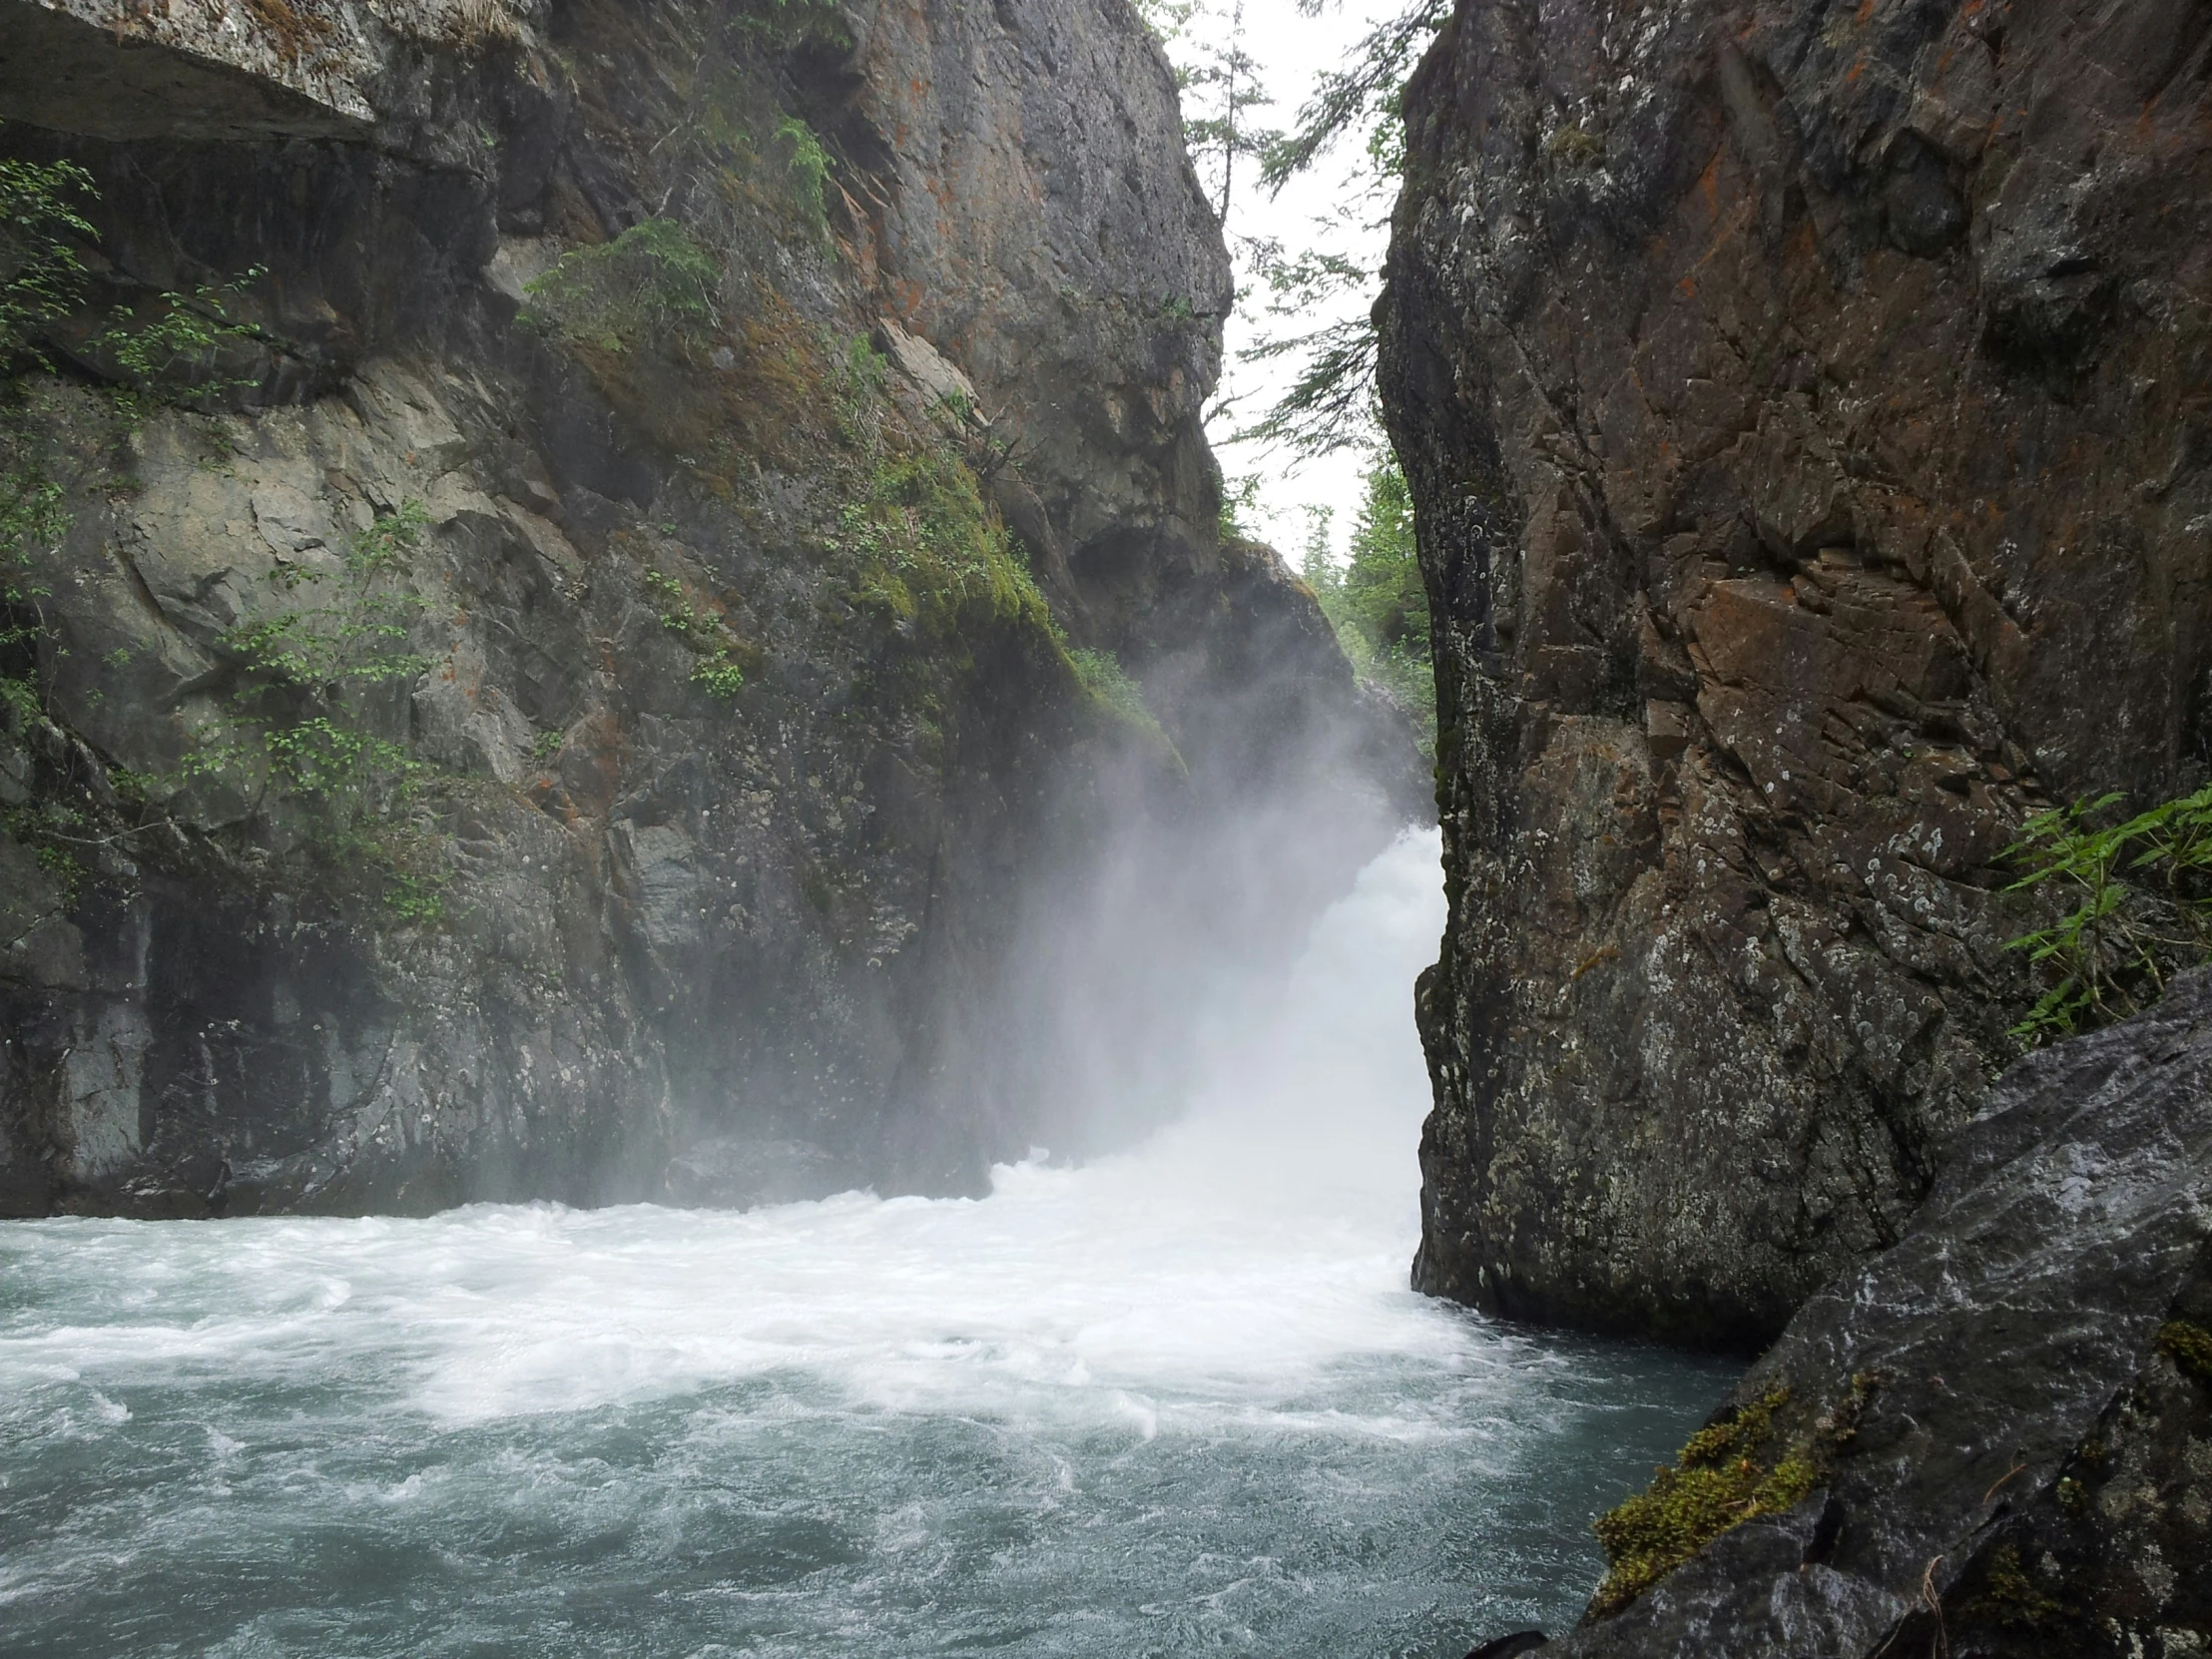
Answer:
(1175, 1402)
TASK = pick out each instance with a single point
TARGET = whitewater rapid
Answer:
(1176, 1400)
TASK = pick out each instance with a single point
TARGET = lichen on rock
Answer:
(1991, 1431)
(1797, 406)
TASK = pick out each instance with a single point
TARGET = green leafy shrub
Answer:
(809, 171)
(34, 517)
(294, 731)
(357, 637)
(171, 349)
(33, 514)
(717, 672)
(1718, 1483)
(418, 898)
(44, 277)
(654, 280)
(2141, 890)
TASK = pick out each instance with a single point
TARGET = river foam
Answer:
(1174, 1401)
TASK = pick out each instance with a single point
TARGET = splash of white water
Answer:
(1233, 1256)
(1172, 1400)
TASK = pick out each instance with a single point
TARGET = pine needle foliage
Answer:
(1377, 602)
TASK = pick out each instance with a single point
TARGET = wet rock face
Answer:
(1040, 233)
(1804, 408)
(2009, 1409)
(754, 790)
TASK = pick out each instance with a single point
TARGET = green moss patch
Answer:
(2189, 1347)
(2009, 1597)
(931, 551)
(1721, 1481)
(1108, 685)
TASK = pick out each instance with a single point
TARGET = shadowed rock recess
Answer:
(675, 635)
(1804, 407)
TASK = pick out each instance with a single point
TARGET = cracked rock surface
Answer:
(1804, 407)
(2011, 1409)
(781, 842)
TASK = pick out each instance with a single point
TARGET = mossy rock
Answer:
(2189, 1347)
(1720, 1482)
(2009, 1597)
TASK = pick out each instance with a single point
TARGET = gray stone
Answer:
(1808, 492)
(2023, 1454)
(839, 924)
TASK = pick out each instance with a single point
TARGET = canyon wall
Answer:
(604, 599)
(1806, 409)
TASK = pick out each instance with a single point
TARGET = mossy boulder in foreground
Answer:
(1989, 1439)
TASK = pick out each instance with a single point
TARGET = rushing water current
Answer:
(1175, 1402)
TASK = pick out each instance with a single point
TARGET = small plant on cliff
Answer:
(170, 347)
(1718, 1483)
(860, 375)
(2188, 1346)
(173, 347)
(2141, 890)
(654, 280)
(717, 672)
(2009, 1597)
(297, 730)
(809, 171)
(358, 637)
(39, 226)
(33, 516)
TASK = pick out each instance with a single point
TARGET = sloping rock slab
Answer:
(2029, 1472)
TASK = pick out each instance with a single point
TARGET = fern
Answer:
(2142, 906)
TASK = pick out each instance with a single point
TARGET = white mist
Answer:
(1174, 1401)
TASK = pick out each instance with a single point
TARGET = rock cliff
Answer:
(616, 599)
(2003, 1419)
(1806, 412)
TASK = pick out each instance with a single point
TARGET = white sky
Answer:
(1292, 50)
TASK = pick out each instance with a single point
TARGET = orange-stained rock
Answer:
(1811, 461)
